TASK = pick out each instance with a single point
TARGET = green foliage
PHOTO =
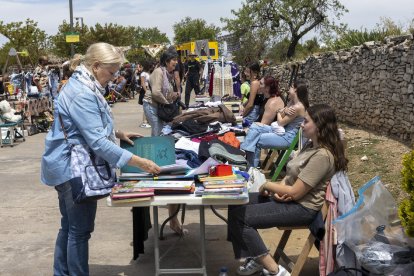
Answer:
(24, 36)
(111, 33)
(284, 19)
(346, 39)
(406, 212)
(277, 53)
(61, 48)
(190, 29)
(145, 36)
(406, 209)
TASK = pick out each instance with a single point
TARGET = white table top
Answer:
(189, 199)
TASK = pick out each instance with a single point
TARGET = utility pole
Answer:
(81, 19)
(72, 47)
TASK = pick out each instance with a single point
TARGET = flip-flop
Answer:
(180, 231)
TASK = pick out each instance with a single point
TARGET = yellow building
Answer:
(185, 49)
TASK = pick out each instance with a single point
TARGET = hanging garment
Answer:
(201, 47)
(211, 82)
(236, 80)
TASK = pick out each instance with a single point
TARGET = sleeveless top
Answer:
(292, 128)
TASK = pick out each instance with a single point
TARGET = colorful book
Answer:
(132, 195)
(129, 187)
(218, 186)
(120, 202)
(219, 178)
(218, 182)
(165, 185)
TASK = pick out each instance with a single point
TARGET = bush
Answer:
(406, 209)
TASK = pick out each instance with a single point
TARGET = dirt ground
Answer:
(383, 158)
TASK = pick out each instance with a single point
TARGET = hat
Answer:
(192, 54)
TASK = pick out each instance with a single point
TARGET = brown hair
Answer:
(328, 135)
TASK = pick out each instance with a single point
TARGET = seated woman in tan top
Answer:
(295, 200)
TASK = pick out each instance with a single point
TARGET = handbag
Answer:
(167, 112)
(92, 176)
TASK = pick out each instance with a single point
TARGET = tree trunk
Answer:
(292, 47)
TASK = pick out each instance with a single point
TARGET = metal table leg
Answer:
(201, 270)
(203, 240)
(156, 242)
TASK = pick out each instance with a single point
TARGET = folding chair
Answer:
(295, 267)
(283, 156)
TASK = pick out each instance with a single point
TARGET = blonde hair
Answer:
(75, 61)
(103, 53)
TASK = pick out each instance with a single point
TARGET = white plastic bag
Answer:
(372, 231)
(256, 180)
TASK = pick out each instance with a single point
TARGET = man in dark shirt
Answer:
(193, 77)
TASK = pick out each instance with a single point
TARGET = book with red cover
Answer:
(129, 190)
(132, 195)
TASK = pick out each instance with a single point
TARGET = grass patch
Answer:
(383, 158)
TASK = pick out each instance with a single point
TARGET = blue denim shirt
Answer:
(86, 121)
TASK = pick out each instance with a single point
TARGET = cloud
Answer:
(164, 13)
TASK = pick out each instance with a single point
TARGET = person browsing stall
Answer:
(87, 119)
(296, 200)
(162, 92)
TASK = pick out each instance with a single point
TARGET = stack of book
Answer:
(167, 187)
(230, 187)
(127, 192)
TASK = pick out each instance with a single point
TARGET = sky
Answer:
(164, 13)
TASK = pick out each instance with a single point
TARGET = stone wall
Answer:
(371, 86)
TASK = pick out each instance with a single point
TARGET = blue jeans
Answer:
(262, 213)
(77, 224)
(253, 114)
(262, 137)
(151, 112)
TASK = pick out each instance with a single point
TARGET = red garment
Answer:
(208, 137)
(327, 246)
(230, 138)
(210, 83)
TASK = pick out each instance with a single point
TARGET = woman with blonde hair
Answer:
(83, 117)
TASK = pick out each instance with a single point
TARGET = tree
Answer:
(285, 19)
(61, 48)
(194, 29)
(114, 34)
(24, 36)
(145, 36)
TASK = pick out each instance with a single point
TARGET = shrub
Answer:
(406, 209)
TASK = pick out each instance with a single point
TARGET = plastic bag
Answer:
(256, 180)
(372, 230)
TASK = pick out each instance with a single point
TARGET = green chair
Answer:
(283, 156)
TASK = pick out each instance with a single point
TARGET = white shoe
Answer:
(144, 125)
(282, 272)
(249, 267)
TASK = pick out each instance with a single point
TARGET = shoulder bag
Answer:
(167, 112)
(93, 177)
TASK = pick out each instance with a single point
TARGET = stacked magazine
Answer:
(229, 187)
(127, 192)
